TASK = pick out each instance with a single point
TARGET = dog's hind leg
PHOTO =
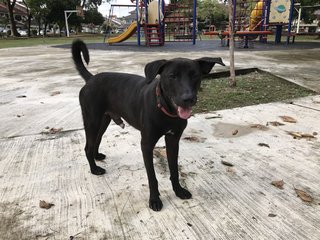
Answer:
(105, 121)
(92, 128)
(172, 148)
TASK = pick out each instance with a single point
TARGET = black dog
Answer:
(155, 106)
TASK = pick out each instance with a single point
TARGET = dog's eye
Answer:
(172, 76)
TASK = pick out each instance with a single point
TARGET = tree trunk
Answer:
(29, 18)
(232, 79)
(10, 7)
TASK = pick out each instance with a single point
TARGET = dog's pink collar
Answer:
(159, 105)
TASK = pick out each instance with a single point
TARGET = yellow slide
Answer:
(255, 16)
(125, 35)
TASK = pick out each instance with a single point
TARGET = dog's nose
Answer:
(189, 99)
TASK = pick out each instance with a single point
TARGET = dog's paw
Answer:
(98, 170)
(100, 156)
(183, 193)
(155, 204)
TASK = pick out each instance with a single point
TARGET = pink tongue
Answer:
(184, 113)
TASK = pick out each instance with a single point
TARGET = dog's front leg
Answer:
(172, 147)
(147, 146)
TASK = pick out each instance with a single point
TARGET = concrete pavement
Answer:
(39, 91)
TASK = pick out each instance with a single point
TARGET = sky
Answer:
(119, 11)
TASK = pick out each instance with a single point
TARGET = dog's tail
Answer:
(79, 47)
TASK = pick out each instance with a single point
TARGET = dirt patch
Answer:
(11, 222)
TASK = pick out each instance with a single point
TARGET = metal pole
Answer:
(67, 27)
(138, 23)
(299, 19)
(290, 21)
(66, 16)
(194, 30)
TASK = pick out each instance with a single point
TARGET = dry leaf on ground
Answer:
(301, 135)
(53, 130)
(272, 215)
(279, 184)
(288, 119)
(160, 152)
(303, 195)
(192, 139)
(275, 123)
(263, 145)
(259, 126)
(227, 163)
(44, 204)
(235, 132)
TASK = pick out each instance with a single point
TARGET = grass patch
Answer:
(34, 41)
(253, 88)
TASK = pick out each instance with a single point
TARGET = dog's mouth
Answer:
(183, 112)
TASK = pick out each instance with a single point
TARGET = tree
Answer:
(93, 16)
(213, 12)
(29, 17)
(307, 13)
(56, 10)
(10, 6)
(89, 4)
(39, 10)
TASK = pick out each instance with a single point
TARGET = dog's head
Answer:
(180, 80)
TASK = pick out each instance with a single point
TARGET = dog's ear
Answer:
(207, 63)
(152, 69)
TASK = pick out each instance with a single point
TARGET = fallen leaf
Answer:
(303, 195)
(279, 184)
(272, 215)
(160, 152)
(235, 132)
(288, 119)
(294, 134)
(275, 123)
(55, 93)
(314, 133)
(227, 163)
(55, 130)
(259, 126)
(263, 145)
(301, 135)
(307, 135)
(46, 205)
(192, 139)
(21, 96)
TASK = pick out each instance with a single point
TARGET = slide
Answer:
(255, 16)
(125, 35)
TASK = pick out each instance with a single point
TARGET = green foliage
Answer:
(93, 4)
(307, 13)
(93, 16)
(212, 12)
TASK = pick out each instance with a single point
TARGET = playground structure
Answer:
(156, 20)
(175, 22)
(256, 18)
